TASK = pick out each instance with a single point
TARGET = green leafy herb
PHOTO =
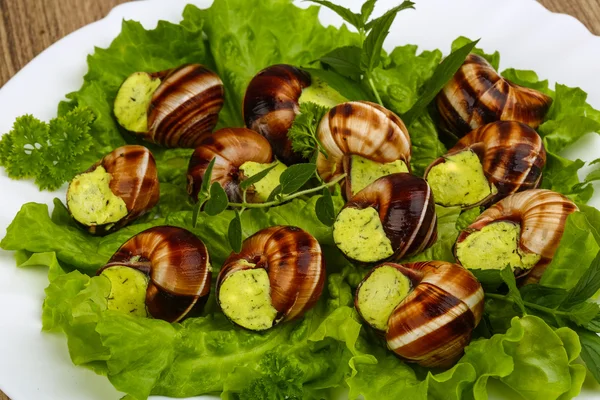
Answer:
(345, 61)
(234, 233)
(246, 183)
(51, 153)
(204, 194)
(217, 202)
(443, 73)
(590, 351)
(324, 208)
(295, 176)
(352, 18)
(586, 286)
(508, 277)
(303, 133)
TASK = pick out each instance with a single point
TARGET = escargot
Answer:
(277, 276)
(239, 153)
(172, 108)
(478, 95)
(163, 272)
(273, 99)
(488, 164)
(363, 140)
(393, 217)
(115, 191)
(426, 310)
(525, 229)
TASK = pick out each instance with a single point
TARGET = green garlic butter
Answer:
(363, 171)
(459, 181)
(133, 99)
(494, 247)
(90, 200)
(359, 235)
(245, 298)
(321, 93)
(128, 290)
(380, 294)
(266, 185)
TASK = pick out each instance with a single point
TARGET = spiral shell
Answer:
(541, 214)
(230, 147)
(134, 179)
(406, 210)
(360, 128)
(478, 95)
(432, 325)
(271, 105)
(185, 106)
(178, 266)
(512, 155)
(294, 263)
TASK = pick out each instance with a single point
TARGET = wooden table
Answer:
(29, 26)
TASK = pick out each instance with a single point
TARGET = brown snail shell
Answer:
(478, 95)
(230, 147)
(271, 105)
(178, 266)
(360, 128)
(406, 210)
(185, 106)
(295, 265)
(512, 155)
(542, 215)
(134, 179)
(432, 325)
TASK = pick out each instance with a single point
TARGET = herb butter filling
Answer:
(128, 290)
(359, 235)
(90, 200)
(495, 246)
(245, 298)
(133, 99)
(459, 180)
(363, 171)
(264, 187)
(380, 294)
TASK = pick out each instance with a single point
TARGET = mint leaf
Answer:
(295, 176)
(352, 18)
(443, 73)
(590, 351)
(345, 61)
(395, 10)
(508, 277)
(207, 176)
(246, 183)
(367, 9)
(588, 284)
(234, 233)
(324, 208)
(217, 203)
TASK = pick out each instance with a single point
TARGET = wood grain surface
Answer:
(29, 26)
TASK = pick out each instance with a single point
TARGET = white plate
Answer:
(37, 366)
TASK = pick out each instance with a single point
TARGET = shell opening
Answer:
(133, 99)
(91, 201)
(264, 187)
(363, 171)
(319, 92)
(495, 246)
(379, 294)
(359, 234)
(128, 290)
(459, 180)
(245, 298)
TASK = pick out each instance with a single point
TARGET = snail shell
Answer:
(134, 179)
(230, 147)
(512, 155)
(271, 105)
(478, 95)
(177, 264)
(406, 209)
(432, 325)
(294, 263)
(364, 129)
(185, 106)
(541, 214)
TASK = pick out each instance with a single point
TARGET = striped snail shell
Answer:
(392, 218)
(511, 154)
(131, 186)
(364, 129)
(271, 105)
(277, 276)
(230, 147)
(177, 267)
(478, 95)
(539, 218)
(178, 106)
(429, 309)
